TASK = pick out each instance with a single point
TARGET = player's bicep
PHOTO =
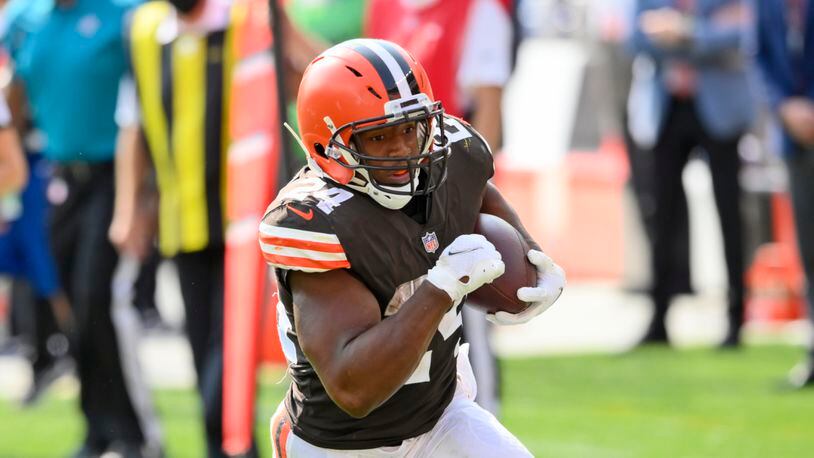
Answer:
(330, 310)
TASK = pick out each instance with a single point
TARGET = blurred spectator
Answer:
(69, 58)
(614, 26)
(691, 89)
(182, 63)
(13, 177)
(41, 314)
(36, 297)
(180, 60)
(786, 57)
(468, 62)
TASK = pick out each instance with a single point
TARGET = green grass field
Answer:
(654, 402)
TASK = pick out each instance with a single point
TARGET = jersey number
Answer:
(449, 324)
(331, 198)
(454, 130)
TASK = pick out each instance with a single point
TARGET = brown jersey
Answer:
(316, 225)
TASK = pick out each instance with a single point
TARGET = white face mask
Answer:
(382, 197)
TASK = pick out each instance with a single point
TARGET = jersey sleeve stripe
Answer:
(304, 264)
(302, 244)
(299, 253)
(267, 230)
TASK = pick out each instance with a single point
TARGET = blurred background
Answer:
(662, 152)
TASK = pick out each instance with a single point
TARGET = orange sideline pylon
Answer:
(775, 281)
(252, 170)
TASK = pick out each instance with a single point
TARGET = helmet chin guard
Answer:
(387, 196)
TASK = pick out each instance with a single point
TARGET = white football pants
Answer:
(464, 430)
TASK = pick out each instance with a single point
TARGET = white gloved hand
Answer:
(550, 283)
(469, 255)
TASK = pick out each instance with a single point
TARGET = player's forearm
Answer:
(373, 365)
(13, 166)
(130, 167)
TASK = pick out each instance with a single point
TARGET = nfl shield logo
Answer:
(430, 242)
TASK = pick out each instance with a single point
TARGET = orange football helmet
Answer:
(366, 84)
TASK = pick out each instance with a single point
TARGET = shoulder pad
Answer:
(296, 236)
(461, 132)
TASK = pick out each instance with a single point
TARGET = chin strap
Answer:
(312, 164)
(296, 138)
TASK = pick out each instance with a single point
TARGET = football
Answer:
(501, 294)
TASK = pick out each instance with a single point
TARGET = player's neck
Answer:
(418, 209)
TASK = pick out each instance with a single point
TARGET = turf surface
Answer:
(654, 402)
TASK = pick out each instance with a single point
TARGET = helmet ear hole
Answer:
(319, 149)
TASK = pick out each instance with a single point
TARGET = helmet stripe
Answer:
(389, 70)
(399, 74)
(381, 69)
(405, 67)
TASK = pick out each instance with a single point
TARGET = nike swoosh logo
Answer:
(452, 253)
(304, 215)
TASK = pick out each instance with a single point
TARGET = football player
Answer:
(373, 253)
